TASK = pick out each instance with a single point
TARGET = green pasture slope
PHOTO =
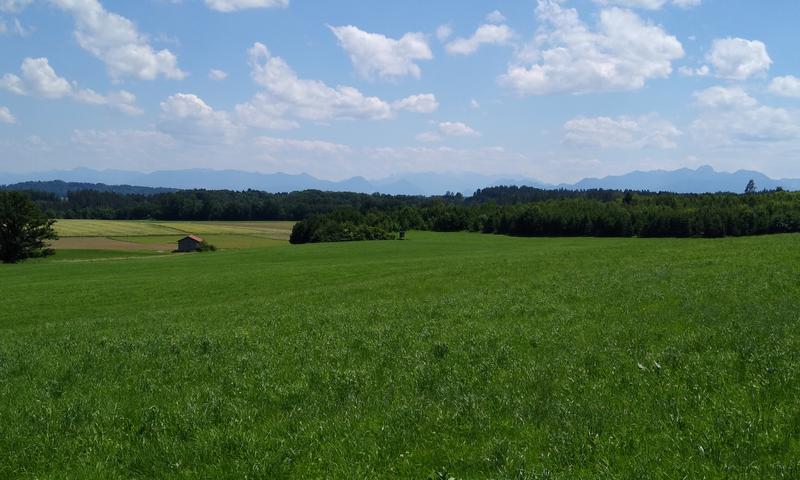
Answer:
(458, 356)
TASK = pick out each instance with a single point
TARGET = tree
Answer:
(24, 229)
(751, 187)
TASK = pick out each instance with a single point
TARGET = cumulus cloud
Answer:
(738, 59)
(448, 129)
(732, 117)
(287, 96)
(788, 86)
(622, 53)
(39, 79)
(649, 4)
(725, 97)
(235, 5)
(116, 41)
(123, 101)
(489, 34)
(6, 116)
(649, 131)
(217, 75)
(312, 99)
(185, 115)
(423, 103)
(375, 54)
(496, 17)
(457, 129)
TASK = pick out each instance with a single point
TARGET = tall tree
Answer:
(24, 229)
(751, 187)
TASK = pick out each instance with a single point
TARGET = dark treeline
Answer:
(619, 214)
(524, 211)
(62, 189)
(215, 204)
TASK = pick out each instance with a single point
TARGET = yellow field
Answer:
(162, 236)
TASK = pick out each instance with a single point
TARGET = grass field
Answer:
(114, 235)
(458, 356)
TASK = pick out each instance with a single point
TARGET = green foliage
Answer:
(458, 355)
(628, 215)
(206, 247)
(344, 226)
(24, 229)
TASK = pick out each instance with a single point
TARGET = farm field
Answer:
(461, 356)
(157, 236)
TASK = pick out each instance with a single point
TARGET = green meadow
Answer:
(460, 356)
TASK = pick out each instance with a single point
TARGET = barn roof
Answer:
(192, 237)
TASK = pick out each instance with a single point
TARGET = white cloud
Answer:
(423, 103)
(474, 104)
(123, 101)
(6, 116)
(287, 96)
(788, 86)
(217, 75)
(739, 59)
(188, 116)
(39, 79)
(443, 32)
(235, 5)
(484, 35)
(311, 99)
(448, 129)
(457, 129)
(14, 6)
(115, 40)
(496, 17)
(623, 53)
(649, 4)
(703, 71)
(375, 54)
(725, 97)
(649, 131)
(263, 111)
(731, 117)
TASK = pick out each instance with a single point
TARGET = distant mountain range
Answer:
(701, 180)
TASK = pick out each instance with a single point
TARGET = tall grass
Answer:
(444, 356)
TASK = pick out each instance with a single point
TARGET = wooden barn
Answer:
(190, 243)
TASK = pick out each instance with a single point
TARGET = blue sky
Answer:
(548, 89)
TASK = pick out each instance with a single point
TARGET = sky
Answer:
(553, 90)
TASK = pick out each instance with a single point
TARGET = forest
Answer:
(518, 211)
